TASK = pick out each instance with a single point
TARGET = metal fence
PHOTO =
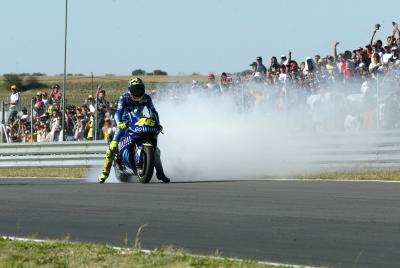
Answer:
(62, 154)
(330, 152)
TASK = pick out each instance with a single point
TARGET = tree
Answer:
(13, 79)
(159, 72)
(138, 72)
(23, 82)
(38, 74)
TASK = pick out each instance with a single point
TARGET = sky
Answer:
(179, 36)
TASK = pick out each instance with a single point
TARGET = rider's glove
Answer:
(122, 125)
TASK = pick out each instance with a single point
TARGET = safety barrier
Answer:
(55, 154)
(333, 151)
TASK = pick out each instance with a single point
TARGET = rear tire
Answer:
(146, 171)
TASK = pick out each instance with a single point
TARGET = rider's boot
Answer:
(110, 155)
(159, 168)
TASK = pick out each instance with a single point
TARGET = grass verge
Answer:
(384, 175)
(44, 172)
(67, 254)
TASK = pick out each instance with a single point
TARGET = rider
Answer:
(134, 100)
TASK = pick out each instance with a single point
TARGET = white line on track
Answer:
(149, 251)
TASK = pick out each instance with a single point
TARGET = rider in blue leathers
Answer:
(132, 101)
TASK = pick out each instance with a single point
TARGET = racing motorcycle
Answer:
(136, 150)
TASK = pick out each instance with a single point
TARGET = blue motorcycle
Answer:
(136, 151)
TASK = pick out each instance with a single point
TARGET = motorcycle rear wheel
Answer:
(145, 172)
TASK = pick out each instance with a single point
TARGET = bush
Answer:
(159, 72)
(138, 72)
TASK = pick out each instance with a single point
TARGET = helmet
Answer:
(136, 87)
(211, 76)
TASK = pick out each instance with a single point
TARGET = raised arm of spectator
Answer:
(396, 30)
(335, 50)
(372, 38)
(290, 57)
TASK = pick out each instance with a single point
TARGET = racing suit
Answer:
(127, 107)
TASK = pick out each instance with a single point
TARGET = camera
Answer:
(377, 26)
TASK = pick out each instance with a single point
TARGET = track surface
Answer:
(335, 224)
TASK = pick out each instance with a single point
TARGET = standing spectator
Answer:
(375, 63)
(38, 105)
(90, 103)
(56, 94)
(212, 85)
(253, 68)
(55, 126)
(261, 70)
(15, 101)
(106, 129)
(101, 105)
(225, 82)
(45, 100)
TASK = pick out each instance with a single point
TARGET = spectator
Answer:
(38, 105)
(225, 82)
(212, 85)
(45, 100)
(56, 94)
(14, 104)
(375, 64)
(101, 104)
(261, 71)
(55, 127)
(253, 66)
(106, 129)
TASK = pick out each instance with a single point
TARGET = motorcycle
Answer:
(136, 151)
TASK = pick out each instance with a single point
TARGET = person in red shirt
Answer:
(348, 70)
(56, 94)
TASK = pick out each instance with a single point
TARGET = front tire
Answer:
(145, 172)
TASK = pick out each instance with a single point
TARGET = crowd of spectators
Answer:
(352, 75)
(283, 84)
(45, 122)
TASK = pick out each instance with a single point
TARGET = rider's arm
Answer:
(152, 111)
(120, 110)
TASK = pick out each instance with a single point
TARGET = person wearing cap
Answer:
(225, 82)
(45, 100)
(38, 105)
(101, 105)
(14, 104)
(253, 66)
(261, 70)
(56, 94)
(212, 85)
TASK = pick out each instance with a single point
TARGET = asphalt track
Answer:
(334, 224)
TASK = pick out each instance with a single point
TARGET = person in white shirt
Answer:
(14, 105)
